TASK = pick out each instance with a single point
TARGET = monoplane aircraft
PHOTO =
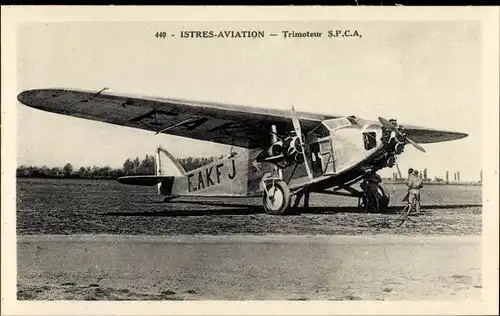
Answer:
(284, 154)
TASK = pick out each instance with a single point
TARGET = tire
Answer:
(279, 203)
(383, 203)
(384, 199)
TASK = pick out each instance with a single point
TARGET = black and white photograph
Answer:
(283, 155)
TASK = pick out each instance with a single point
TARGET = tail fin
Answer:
(167, 165)
(166, 169)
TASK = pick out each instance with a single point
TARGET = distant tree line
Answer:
(424, 175)
(130, 167)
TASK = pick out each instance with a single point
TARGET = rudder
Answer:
(167, 165)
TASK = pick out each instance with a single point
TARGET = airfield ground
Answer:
(107, 207)
(126, 244)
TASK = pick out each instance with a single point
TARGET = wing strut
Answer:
(189, 120)
(95, 95)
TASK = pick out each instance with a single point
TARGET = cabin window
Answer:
(370, 140)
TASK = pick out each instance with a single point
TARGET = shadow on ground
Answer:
(245, 209)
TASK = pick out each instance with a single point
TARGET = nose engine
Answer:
(395, 142)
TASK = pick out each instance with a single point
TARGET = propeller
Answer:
(298, 131)
(394, 129)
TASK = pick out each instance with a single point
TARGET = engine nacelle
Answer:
(275, 149)
(396, 146)
(292, 145)
(284, 152)
(399, 148)
(390, 161)
(401, 137)
(292, 149)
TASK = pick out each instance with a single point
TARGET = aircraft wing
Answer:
(240, 126)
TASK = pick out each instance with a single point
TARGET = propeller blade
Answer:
(415, 145)
(296, 126)
(388, 125)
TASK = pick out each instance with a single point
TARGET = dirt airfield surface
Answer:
(99, 240)
(66, 207)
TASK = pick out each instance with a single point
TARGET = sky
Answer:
(421, 73)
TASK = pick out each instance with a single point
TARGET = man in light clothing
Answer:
(414, 186)
(410, 173)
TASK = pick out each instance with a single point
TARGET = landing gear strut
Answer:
(299, 197)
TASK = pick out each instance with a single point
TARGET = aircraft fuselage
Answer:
(342, 153)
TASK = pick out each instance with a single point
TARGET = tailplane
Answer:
(166, 169)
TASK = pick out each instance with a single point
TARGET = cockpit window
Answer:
(320, 131)
(352, 119)
(334, 124)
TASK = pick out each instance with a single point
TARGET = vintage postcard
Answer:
(250, 160)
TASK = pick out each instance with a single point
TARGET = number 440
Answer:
(161, 34)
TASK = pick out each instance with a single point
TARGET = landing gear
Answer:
(299, 197)
(384, 199)
(374, 202)
(306, 200)
(276, 199)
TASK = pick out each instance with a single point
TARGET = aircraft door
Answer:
(326, 156)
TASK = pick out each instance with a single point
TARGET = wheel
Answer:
(384, 199)
(278, 200)
(371, 204)
(383, 203)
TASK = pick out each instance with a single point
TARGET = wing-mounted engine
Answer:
(292, 148)
(287, 150)
(284, 151)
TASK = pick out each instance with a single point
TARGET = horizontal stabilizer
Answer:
(146, 180)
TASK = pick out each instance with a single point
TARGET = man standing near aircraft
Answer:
(370, 186)
(414, 186)
(410, 174)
